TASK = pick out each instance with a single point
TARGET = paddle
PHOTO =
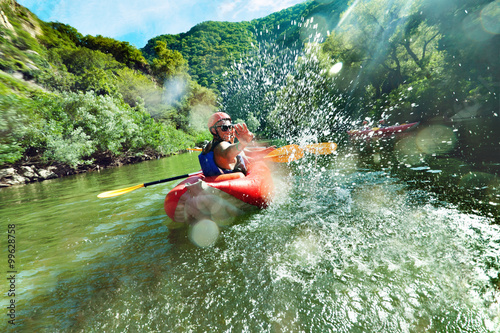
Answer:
(115, 193)
(293, 152)
(323, 148)
(281, 155)
(285, 154)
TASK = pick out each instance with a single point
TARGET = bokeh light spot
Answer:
(204, 233)
(335, 68)
(407, 151)
(490, 17)
(436, 140)
(473, 28)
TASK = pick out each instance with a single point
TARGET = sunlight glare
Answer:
(347, 13)
(490, 17)
(204, 233)
(335, 68)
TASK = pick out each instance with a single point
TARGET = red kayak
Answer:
(381, 132)
(221, 197)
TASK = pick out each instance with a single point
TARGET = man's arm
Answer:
(225, 153)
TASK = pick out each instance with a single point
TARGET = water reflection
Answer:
(438, 157)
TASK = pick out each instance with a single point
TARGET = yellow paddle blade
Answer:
(115, 193)
(285, 154)
(323, 148)
(195, 149)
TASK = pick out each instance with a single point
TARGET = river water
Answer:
(342, 248)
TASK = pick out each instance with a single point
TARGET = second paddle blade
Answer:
(323, 148)
(285, 154)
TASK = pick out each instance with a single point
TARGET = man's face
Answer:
(225, 130)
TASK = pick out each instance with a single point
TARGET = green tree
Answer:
(98, 80)
(168, 62)
(389, 39)
(121, 51)
(57, 34)
(384, 47)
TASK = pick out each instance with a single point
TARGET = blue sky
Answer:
(136, 21)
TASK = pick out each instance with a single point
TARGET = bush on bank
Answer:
(73, 128)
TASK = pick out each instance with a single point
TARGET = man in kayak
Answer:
(222, 155)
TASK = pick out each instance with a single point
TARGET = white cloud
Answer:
(258, 5)
(112, 17)
(251, 9)
(226, 7)
(116, 17)
(270, 6)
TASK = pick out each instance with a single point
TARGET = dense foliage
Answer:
(211, 48)
(89, 96)
(388, 59)
(76, 128)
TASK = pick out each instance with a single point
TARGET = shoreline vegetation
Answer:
(50, 135)
(47, 135)
(71, 103)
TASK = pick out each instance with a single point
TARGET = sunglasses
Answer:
(225, 128)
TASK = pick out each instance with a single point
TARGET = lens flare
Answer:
(199, 114)
(335, 68)
(407, 151)
(490, 17)
(175, 89)
(473, 28)
(436, 140)
(314, 29)
(204, 233)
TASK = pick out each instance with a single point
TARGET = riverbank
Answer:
(36, 171)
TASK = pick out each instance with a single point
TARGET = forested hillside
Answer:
(79, 102)
(322, 66)
(211, 48)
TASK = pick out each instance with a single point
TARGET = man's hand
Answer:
(243, 134)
